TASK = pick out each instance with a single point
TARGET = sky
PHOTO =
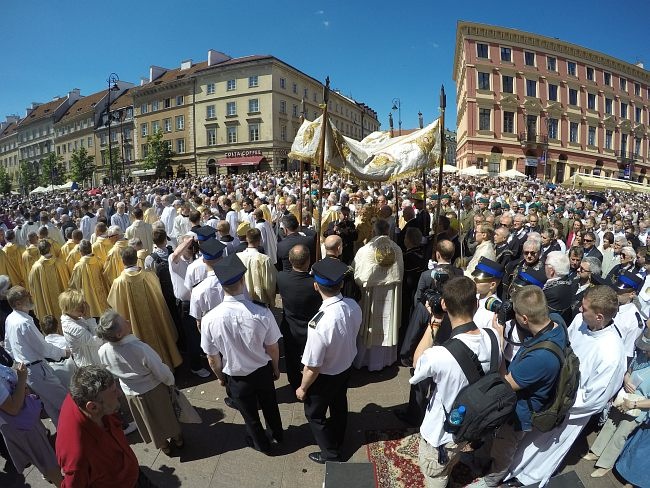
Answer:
(373, 51)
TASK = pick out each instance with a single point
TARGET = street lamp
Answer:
(420, 120)
(390, 122)
(112, 86)
(397, 105)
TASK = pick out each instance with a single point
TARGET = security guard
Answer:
(241, 338)
(197, 270)
(487, 276)
(628, 320)
(208, 293)
(329, 352)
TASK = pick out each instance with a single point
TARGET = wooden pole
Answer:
(303, 114)
(321, 162)
(424, 170)
(443, 105)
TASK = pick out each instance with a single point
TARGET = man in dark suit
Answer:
(549, 243)
(344, 228)
(408, 213)
(589, 245)
(292, 236)
(300, 302)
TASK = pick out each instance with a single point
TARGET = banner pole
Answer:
(321, 162)
(443, 105)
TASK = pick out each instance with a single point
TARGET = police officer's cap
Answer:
(487, 270)
(204, 233)
(211, 249)
(229, 270)
(628, 282)
(483, 200)
(329, 271)
(531, 276)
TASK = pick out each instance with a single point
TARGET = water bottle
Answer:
(457, 415)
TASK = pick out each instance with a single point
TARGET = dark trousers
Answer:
(247, 391)
(418, 401)
(328, 392)
(191, 334)
(293, 349)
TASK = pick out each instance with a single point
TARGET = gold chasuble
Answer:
(30, 256)
(3, 264)
(142, 255)
(55, 247)
(113, 265)
(150, 216)
(72, 258)
(47, 279)
(137, 296)
(87, 277)
(101, 247)
(66, 248)
(15, 268)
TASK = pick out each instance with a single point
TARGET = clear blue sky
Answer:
(373, 51)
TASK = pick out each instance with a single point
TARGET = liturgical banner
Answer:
(378, 157)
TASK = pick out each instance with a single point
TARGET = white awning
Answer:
(143, 172)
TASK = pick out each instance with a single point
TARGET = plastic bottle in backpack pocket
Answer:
(457, 415)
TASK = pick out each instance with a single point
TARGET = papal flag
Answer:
(378, 157)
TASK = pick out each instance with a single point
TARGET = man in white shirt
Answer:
(120, 218)
(628, 321)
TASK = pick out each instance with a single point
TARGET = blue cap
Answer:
(211, 249)
(229, 270)
(329, 271)
(626, 282)
(204, 233)
(532, 277)
(487, 270)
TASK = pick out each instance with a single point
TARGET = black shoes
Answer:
(230, 403)
(318, 458)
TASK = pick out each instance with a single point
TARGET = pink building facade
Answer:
(548, 108)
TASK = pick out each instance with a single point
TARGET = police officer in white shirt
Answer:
(208, 293)
(198, 270)
(328, 355)
(628, 321)
(241, 338)
(25, 343)
(487, 276)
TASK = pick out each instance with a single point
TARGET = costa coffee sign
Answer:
(243, 154)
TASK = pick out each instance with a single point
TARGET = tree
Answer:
(28, 177)
(5, 181)
(159, 154)
(82, 166)
(53, 172)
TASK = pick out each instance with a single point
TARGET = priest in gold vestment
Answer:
(137, 296)
(47, 279)
(102, 244)
(87, 277)
(14, 254)
(113, 266)
(30, 256)
(75, 238)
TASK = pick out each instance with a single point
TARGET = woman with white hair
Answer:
(559, 289)
(627, 257)
(144, 378)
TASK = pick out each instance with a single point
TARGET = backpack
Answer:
(161, 268)
(489, 400)
(566, 387)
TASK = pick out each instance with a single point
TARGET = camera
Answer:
(503, 309)
(434, 298)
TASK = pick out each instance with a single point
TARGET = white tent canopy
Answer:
(143, 172)
(448, 168)
(512, 173)
(473, 171)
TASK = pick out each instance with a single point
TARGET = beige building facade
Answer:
(9, 153)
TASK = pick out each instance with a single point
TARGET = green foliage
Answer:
(27, 177)
(82, 166)
(52, 170)
(5, 181)
(160, 154)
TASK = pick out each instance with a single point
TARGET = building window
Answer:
(180, 100)
(210, 112)
(167, 103)
(637, 89)
(283, 83)
(531, 88)
(551, 63)
(232, 134)
(295, 110)
(144, 108)
(637, 115)
(210, 88)
(253, 132)
(637, 146)
(571, 68)
(573, 96)
(180, 122)
(211, 136)
(573, 132)
(294, 88)
(506, 54)
(231, 85)
(167, 124)
(623, 143)
(552, 128)
(529, 58)
(508, 84)
(90, 142)
(253, 105)
(552, 92)
(283, 132)
(144, 150)
(483, 81)
(127, 134)
(608, 106)
(481, 50)
(607, 78)
(144, 132)
(253, 81)
(283, 106)
(590, 74)
(155, 105)
(591, 101)
(155, 126)
(623, 84)
(623, 110)
(305, 93)
(591, 136)
(180, 146)
(608, 139)
(509, 122)
(484, 118)
(231, 108)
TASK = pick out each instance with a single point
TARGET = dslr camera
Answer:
(433, 294)
(503, 309)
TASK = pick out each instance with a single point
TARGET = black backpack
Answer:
(566, 386)
(161, 268)
(489, 400)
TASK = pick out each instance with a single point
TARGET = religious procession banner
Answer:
(378, 157)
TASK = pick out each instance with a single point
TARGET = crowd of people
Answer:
(105, 293)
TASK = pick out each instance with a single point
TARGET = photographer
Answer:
(442, 259)
(347, 231)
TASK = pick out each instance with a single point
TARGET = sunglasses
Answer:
(587, 240)
(530, 253)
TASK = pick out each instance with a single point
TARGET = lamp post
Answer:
(390, 122)
(112, 86)
(397, 105)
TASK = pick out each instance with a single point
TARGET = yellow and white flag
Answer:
(378, 157)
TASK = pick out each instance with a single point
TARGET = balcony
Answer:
(532, 139)
(625, 156)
